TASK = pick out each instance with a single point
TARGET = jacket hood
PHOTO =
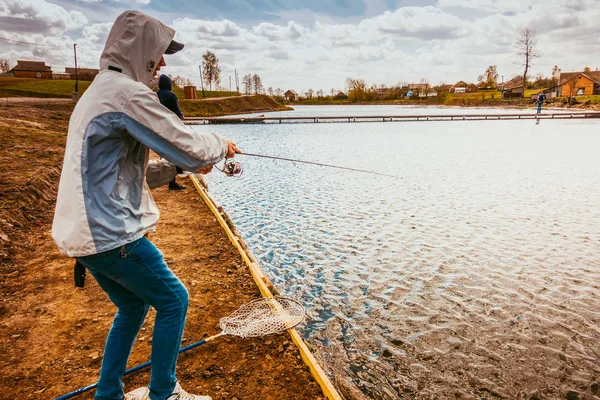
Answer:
(135, 45)
(165, 83)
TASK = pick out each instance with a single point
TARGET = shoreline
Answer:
(514, 104)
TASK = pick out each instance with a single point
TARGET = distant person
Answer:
(169, 99)
(105, 210)
(540, 101)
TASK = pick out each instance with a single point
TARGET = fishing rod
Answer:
(235, 169)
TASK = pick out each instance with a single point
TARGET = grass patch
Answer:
(64, 88)
(231, 105)
(209, 94)
(24, 87)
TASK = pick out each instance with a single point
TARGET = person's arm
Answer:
(176, 106)
(159, 173)
(162, 131)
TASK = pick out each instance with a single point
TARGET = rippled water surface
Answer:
(473, 275)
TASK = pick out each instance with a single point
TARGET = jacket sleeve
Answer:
(159, 173)
(162, 131)
(176, 108)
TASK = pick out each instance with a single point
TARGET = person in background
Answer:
(169, 99)
(104, 209)
(540, 101)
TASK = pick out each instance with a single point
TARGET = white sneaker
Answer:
(142, 393)
(180, 394)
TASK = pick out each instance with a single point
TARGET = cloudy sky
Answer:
(294, 44)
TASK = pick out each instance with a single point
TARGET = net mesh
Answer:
(263, 317)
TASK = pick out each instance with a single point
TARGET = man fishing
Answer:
(104, 208)
(540, 101)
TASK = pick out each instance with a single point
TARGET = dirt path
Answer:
(52, 334)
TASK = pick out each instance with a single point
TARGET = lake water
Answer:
(475, 274)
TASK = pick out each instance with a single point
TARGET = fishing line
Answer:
(234, 168)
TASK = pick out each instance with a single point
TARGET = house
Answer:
(418, 87)
(291, 96)
(382, 91)
(32, 69)
(83, 74)
(459, 87)
(578, 83)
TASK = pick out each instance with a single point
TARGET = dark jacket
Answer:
(167, 97)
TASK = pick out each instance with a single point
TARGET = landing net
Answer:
(263, 317)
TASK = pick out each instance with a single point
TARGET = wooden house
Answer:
(460, 87)
(291, 96)
(32, 69)
(578, 83)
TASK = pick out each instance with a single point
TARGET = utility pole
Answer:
(202, 81)
(76, 80)
(237, 82)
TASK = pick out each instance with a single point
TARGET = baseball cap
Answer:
(174, 47)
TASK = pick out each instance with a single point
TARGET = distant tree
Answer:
(211, 70)
(526, 48)
(320, 93)
(332, 92)
(357, 89)
(247, 83)
(257, 84)
(489, 77)
(178, 81)
(270, 91)
(278, 92)
(310, 93)
(586, 69)
(4, 65)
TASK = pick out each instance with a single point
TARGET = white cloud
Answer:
(277, 32)
(424, 23)
(453, 40)
(38, 16)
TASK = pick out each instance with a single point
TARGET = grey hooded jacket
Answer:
(104, 198)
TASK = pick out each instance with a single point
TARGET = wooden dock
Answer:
(389, 118)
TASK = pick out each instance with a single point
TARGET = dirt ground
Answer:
(52, 334)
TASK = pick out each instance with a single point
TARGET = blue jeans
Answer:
(134, 283)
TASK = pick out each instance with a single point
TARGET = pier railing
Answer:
(388, 118)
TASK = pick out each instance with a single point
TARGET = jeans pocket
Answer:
(102, 265)
(143, 251)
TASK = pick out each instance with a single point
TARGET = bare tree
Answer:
(247, 82)
(211, 69)
(270, 91)
(4, 65)
(178, 81)
(526, 48)
(278, 92)
(257, 84)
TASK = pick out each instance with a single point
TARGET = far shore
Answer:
(556, 103)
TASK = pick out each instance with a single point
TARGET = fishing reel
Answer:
(232, 168)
